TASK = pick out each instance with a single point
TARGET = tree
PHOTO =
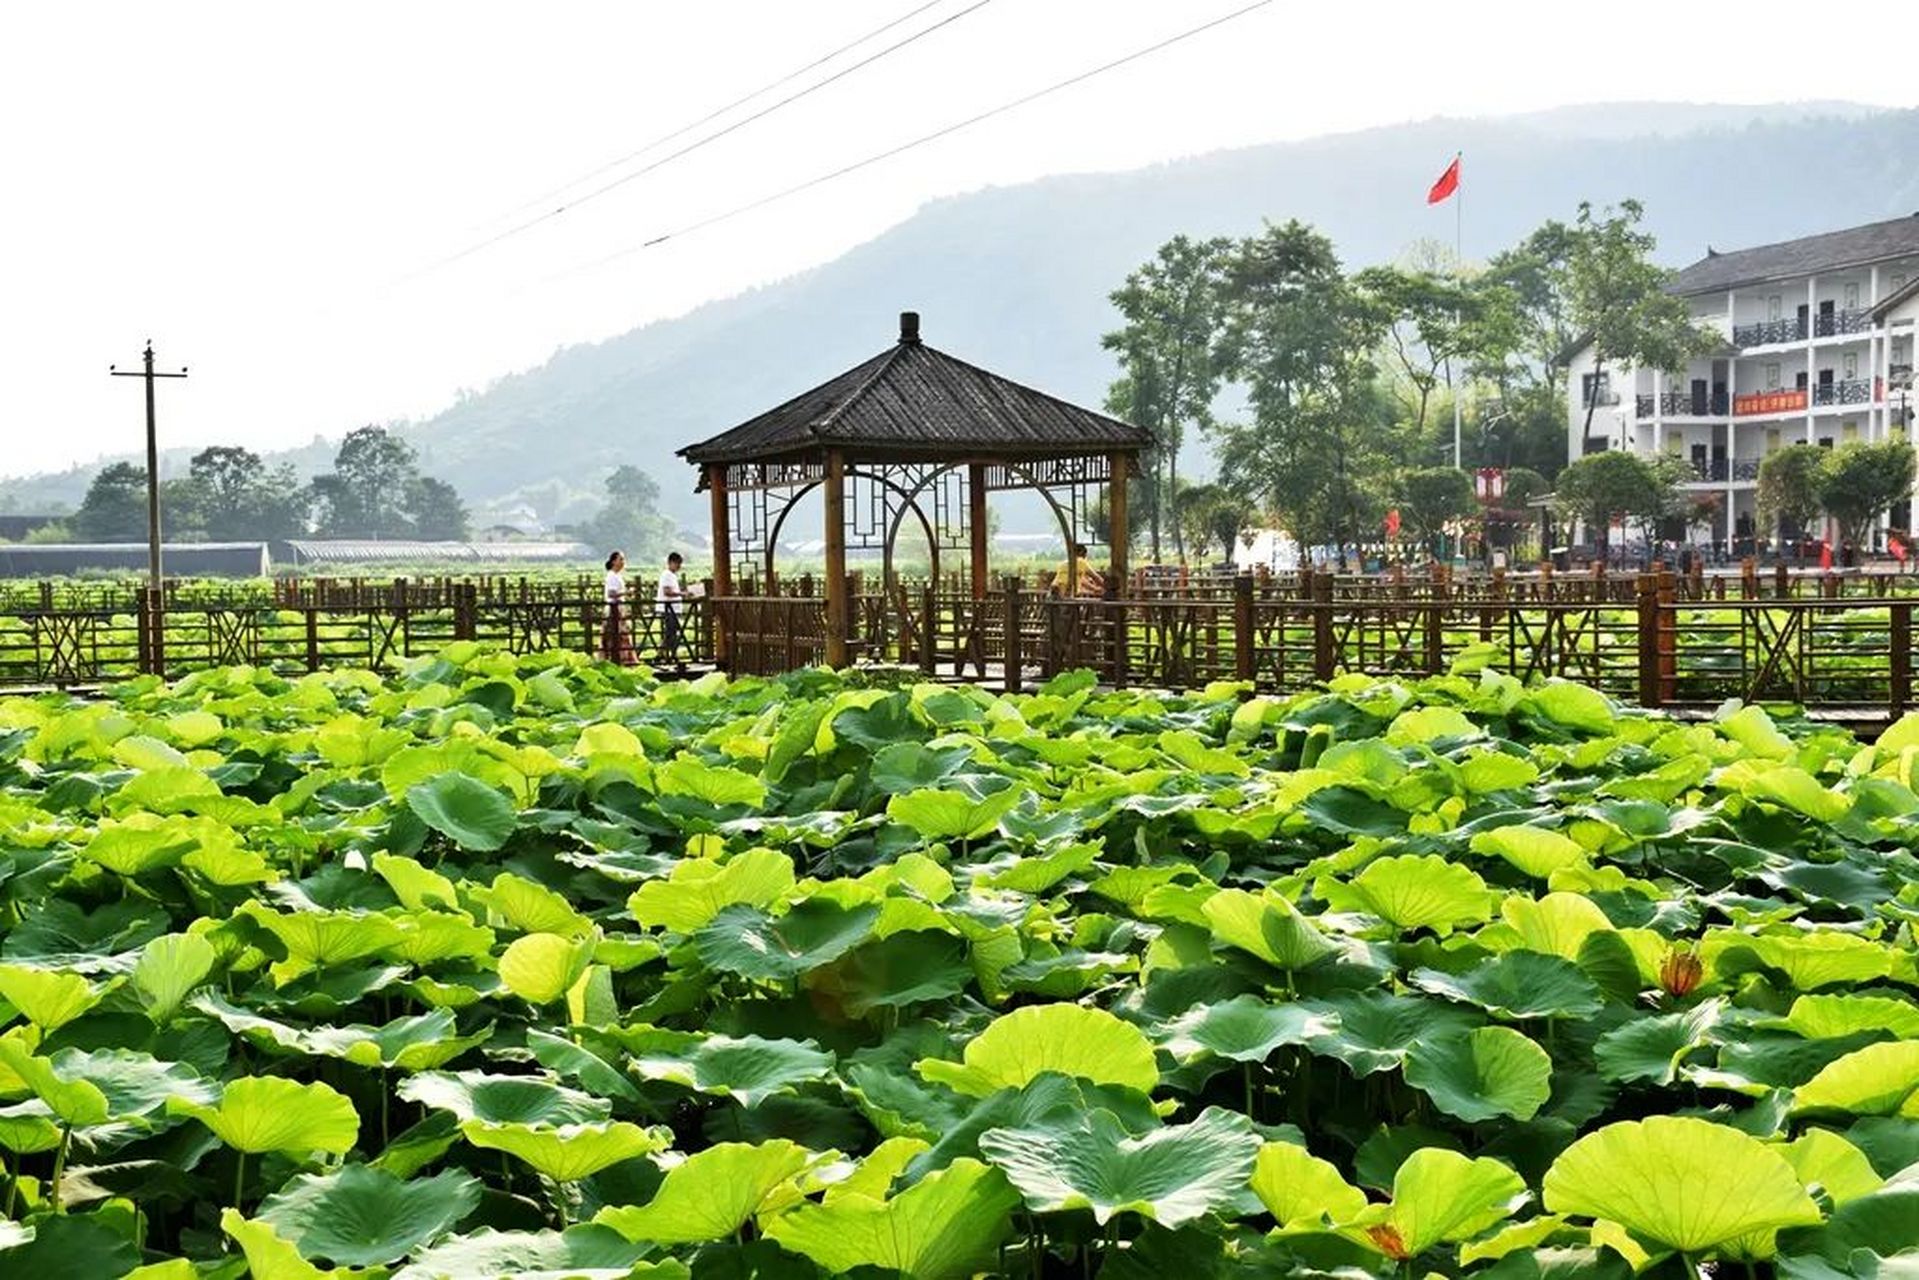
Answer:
(1617, 298)
(1301, 338)
(631, 520)
(1169, 354)
(1438, 324)
(244, 499)
(1789, 486)
(1859, 482)
(435, 512)
(1430, 498)
(1601, 486)
(115, 508)
(366, 493)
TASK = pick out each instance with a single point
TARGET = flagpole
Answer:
(1459, 268)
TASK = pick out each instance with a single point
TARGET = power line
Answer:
(922, 140)
(696, 144)
(717, 112)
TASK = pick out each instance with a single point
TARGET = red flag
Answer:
(1447, 184)
(1825, 556)
(1392, 523)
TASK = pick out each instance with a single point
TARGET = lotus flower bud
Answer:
(1388, 1240)
(1680, 972)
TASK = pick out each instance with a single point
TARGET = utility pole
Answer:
(153, 461)
(153, 611)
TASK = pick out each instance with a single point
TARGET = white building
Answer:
(1818, 349)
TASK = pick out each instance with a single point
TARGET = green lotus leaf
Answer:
(1823, 1159)
(1832, 1017)
(429, 938)
(71, 1248)
(417, 888)
(169, 969)
(271, 1256)
(1300, 1189)
(567, 1153)
(947, 1226)
(1090, 1044)
(84, 1087)
(465, 810)
(1490, 771)
(1754, 730)
(719, 787)
(541, 967)
(747, 1068)
(531, 907)
(578, 1253)
(1518, 984)
(1689, 1184)
(1266, 925)
(1169, 1175)
(1653, 1048)
(1810, 960)
(942, 813)
(576, 1062)
(1372, 1031)
(1573, 706)
(713, 1193)
(1412, 891)
(47, 998)
(700, 889)
(1557, 924)
(361, 1216)
(1797, 790)
(1441, 1197)
(1193, 753)
(1477, 1075)
(259, 1114)
(1430, 724)
(899, 970)
(322, 939)
(498, 1099)
(140, 843)
(1878, 1080)
(28, 1127)
(173, 789)
(192, 729)
(1534, 850)
(1243, 1029)
(747, 941)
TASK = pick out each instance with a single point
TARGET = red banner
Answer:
(1770, 401)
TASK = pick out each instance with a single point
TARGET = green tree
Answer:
(1616, 297)
(1789, 486)
(244, 499)
(115, 508)
(1430, 498)
(435, 511)
(1859, 482)
(1301, 337)
(1601, 486)
(365, 495)
(1438, 325)
(1169, 353)
(631, 520)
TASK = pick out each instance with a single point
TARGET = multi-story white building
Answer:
(1818, 349)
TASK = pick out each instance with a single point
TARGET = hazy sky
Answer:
(258, 186)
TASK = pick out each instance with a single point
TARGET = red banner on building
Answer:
(1770, 401)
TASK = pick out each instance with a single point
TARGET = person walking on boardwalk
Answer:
(615, 646)
(668, 600)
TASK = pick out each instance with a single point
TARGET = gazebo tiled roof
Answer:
(912, 402)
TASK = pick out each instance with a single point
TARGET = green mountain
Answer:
(1016, 278)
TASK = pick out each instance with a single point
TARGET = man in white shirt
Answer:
(667, 601)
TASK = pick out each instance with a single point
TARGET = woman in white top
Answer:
(614, 645)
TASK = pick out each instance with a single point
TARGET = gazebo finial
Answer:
(910, 327)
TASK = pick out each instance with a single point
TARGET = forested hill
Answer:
(1016, 278)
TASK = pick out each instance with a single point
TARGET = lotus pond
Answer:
(499, 966)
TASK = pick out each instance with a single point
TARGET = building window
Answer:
(1772, 438)
(1849, 432)
(1852, 297)
(1772, 307)
(1825, 442)
(1772, 376)
(1595, 388)
(1852, 365)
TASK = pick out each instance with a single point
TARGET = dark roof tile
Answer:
(1829, 251)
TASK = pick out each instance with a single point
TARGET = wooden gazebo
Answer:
(912, 432)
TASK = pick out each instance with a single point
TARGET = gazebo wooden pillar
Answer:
(978, 532)
(1116, 517)
(722, 557)
(836, 614)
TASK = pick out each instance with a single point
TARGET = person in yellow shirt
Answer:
(1090, 582)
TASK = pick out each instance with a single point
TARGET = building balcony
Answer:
(1833, 323)
(1850, 391)
(1768, 332)
(1745, 469)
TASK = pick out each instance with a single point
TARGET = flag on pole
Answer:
(1392, 523)
(1447, 184)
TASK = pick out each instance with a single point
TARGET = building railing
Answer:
(1642, 406)
(1711, 469)
(1767, 332)
(1849, 391)
(1745, 469)
(1829, 324)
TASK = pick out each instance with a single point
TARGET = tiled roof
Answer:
(914, 400)
(1828, 251)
